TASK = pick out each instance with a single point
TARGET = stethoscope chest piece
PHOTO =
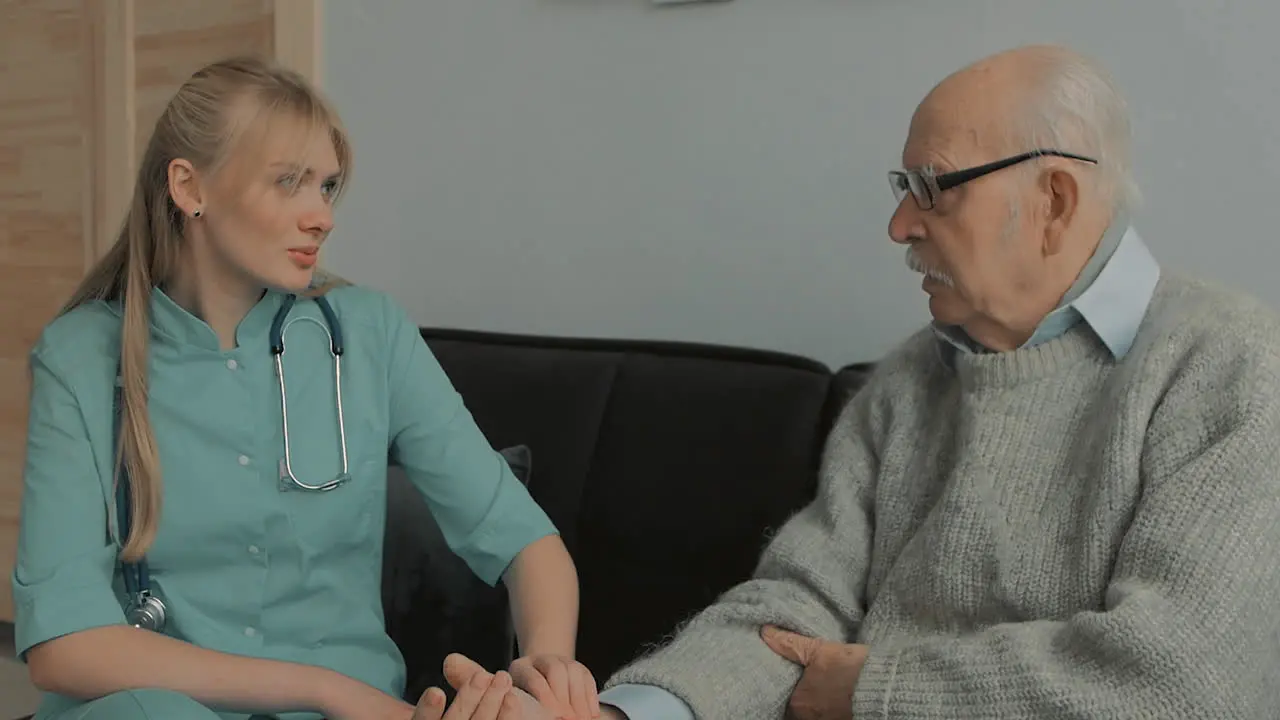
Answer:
(146, 611)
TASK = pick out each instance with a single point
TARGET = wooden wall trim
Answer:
(115, 153)
(297, 26)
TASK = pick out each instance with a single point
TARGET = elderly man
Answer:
(1060, 500)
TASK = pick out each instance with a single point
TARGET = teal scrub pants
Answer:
(141, 705)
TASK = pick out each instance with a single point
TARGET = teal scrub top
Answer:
(244, 566)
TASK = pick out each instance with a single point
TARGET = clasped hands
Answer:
(552, 688)
(542, 687)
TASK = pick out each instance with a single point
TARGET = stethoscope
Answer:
(145, 610)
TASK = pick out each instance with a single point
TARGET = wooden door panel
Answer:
(176, 37)
(13, 430)
(45, 163)
(81, 85)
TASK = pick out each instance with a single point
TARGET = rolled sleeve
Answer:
(512, 521)
(62, 580)
(485, 514)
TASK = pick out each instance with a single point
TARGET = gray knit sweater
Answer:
(1043, 533)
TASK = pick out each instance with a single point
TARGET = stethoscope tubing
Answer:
(147, 611)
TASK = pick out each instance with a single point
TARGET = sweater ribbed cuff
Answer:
(874, 689)
(722, 672)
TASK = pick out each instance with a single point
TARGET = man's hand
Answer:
(562, 685)
(825, 690)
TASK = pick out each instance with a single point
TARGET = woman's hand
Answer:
(465, 675)
(483, 697)
(480, 696)
(562, 685)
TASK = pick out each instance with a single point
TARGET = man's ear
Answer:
(184, 187)
(1061, 192)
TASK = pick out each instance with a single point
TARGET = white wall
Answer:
(717, 172)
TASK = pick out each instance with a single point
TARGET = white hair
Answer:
(1076, 106)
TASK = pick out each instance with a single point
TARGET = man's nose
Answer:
(903, 223)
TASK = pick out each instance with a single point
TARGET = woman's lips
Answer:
(303, 257)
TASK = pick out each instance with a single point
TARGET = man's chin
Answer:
(946, 310)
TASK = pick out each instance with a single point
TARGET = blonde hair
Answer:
(196, 125)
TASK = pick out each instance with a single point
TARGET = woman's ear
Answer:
(184, 188)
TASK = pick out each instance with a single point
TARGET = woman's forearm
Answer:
(543, 586)
(93, 663)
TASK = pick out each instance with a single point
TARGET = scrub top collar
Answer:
(175, 325)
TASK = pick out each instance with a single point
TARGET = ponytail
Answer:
(125, 274)
(193, 126)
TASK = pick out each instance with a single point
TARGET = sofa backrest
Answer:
(433, 603)
(664, 465)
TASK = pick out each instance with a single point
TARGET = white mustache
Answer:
(918, 265)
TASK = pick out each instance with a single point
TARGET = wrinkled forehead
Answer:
(947, 143)
(960, 123)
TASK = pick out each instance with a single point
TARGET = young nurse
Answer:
(252, 524)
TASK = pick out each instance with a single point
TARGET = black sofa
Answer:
(664, 465)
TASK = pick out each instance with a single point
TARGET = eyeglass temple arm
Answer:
(960, 177)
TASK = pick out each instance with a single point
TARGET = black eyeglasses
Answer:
(924, 186)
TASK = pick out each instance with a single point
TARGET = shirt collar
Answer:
(174, 323)
(1111, 295)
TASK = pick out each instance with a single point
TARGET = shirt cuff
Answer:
(646, 702)
(77, 596)
(513, 522)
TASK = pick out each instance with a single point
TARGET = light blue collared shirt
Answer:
(646, 702)
(1111, 295)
